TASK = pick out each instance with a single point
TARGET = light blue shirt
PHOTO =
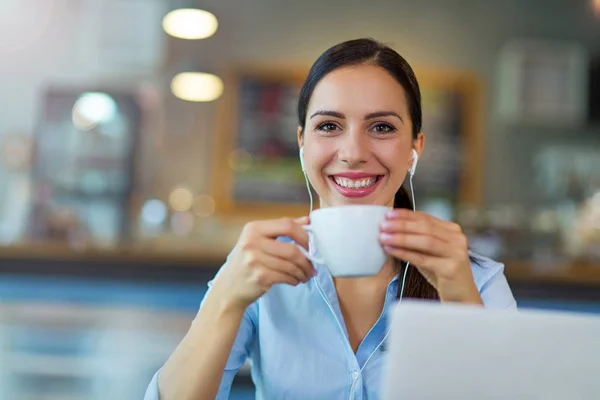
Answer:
(297, 344)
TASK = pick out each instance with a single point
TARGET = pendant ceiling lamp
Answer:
(197, 86)
(189, 22)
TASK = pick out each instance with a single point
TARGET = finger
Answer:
(434, 269)
(270, 277)
(404, 214)
(302, 220)
(415, 227)
(426, 244)
(297, 233)
(427, 262)
(281, 227)
(280, 277)
(421, 223)
(282, 266)
(289, 252)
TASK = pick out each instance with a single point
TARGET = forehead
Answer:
(360, 89)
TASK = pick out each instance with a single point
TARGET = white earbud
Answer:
(415, 158)
(302, 159)
(301, 154)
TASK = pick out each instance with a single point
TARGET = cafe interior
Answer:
(137, 137)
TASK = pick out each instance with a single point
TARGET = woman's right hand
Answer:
(259, 261)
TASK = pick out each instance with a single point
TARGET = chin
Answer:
(336, 200)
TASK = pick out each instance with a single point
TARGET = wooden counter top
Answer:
(575, 272)
(150, 255)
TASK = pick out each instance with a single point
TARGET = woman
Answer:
(308, 335)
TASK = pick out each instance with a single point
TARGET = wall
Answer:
(460, 34)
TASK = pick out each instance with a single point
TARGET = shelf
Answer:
(149, 254)
(155, 262)
(573, 272)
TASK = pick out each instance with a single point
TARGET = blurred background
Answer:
(138, 136)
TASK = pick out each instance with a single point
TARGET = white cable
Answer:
(320, 289)
(310, 237)
(414, 205)
(412, 193)
(354, 380)
(309, 192)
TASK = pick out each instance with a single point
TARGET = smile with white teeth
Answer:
(355, 183)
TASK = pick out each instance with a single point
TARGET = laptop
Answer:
(441, 351)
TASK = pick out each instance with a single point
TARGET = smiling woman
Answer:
(359, 118)
(311, 335)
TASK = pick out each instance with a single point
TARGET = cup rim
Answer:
(361, 206)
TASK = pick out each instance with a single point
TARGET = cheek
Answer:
(394, 158)
(321, 155)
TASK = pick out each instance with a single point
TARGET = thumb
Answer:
(302, 220)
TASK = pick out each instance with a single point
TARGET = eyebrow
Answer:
(380, 114)
(328, 114)
(377, 114)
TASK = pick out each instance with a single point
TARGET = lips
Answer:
(355, 184)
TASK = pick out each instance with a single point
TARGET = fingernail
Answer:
(385, 237)
(385, 225)
(391, 213)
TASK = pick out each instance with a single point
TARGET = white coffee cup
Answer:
(346, 239)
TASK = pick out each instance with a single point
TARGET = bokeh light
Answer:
(240, 160)
(190, 24)
(181, 199)
(92, 109)
(197, 86)
(182, 223)
(154, 212)
(204, 205)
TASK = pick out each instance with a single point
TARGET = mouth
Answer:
(355, 187)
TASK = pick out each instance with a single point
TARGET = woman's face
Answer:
(358, 137)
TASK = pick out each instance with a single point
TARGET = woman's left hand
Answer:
(437, 248)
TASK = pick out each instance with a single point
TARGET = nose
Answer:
(354, 149)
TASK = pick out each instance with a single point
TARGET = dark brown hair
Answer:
(369, 51)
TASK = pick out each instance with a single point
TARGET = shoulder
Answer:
(484, 268)
(491, 282)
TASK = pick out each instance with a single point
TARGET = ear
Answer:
(416, 151)
(300, 137)
(419, 143)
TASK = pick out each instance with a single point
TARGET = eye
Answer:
(383, 128)
(327, 127)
